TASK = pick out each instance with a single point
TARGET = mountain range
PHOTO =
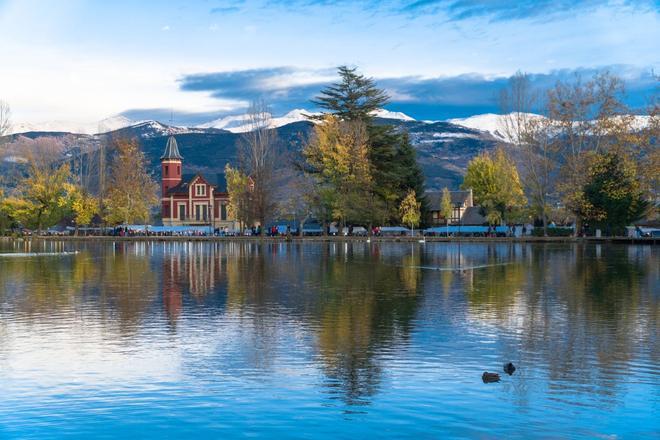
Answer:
(234, 123)
(443, 147)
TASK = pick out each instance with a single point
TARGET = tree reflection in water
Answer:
(581, 312)
(354, 306)
(578, 315)
(366, 308)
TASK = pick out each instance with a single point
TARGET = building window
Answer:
(223, 212)
(200, 190)
(182, 212)
(201, 213)
(178, 170)
(167, 170)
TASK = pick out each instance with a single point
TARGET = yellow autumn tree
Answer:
(410, 209)
(5, 215)
(37, 202)
(338, 158)
(494, 180)
(82, 205)
(446, 207)
(132, 192)
(238, 188)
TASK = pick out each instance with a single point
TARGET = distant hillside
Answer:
(443, 148)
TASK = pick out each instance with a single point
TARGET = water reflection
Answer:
(345, 319)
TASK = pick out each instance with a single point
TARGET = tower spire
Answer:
(171, 150)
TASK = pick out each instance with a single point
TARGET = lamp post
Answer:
(211, 225)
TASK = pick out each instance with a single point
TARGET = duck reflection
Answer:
(583, 312)
(576, 316)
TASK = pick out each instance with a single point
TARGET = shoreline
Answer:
(321, 239)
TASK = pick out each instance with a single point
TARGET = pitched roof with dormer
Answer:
(458, 198)
(217, 181)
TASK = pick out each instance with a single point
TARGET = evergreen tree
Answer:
(393, 164)
(612, 195)
(353, 98)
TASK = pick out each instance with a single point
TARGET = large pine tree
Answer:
(353, 98)
(394, 166)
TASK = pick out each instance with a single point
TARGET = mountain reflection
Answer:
(582, 314)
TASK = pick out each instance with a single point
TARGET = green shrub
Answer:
(553, 232)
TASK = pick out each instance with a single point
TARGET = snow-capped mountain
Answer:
(443, 149)
(233, 123)
(386, 114)
(494, 124)
(151, 129)
(103, 126)
(489, 122)
(241, 123)
(113, 123)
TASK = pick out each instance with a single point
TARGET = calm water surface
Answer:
(329, 340)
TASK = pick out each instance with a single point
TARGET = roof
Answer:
(216, 180)
(434, 199)
(171, 150)
(472, 216)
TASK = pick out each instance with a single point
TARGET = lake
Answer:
(328, 340)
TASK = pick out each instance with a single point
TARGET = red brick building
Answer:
(191, 199)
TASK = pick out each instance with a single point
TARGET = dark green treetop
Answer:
(353, 98)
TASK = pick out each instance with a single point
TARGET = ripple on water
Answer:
(354, 341)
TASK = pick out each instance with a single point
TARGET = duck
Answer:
(490, 377)
(509, 368)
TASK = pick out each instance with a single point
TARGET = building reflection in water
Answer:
(338, 296)
(577, 315)
(189, 268)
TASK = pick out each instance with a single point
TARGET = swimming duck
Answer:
(509, 368)
(490, 377)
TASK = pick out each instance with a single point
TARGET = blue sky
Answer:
(86, 60)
